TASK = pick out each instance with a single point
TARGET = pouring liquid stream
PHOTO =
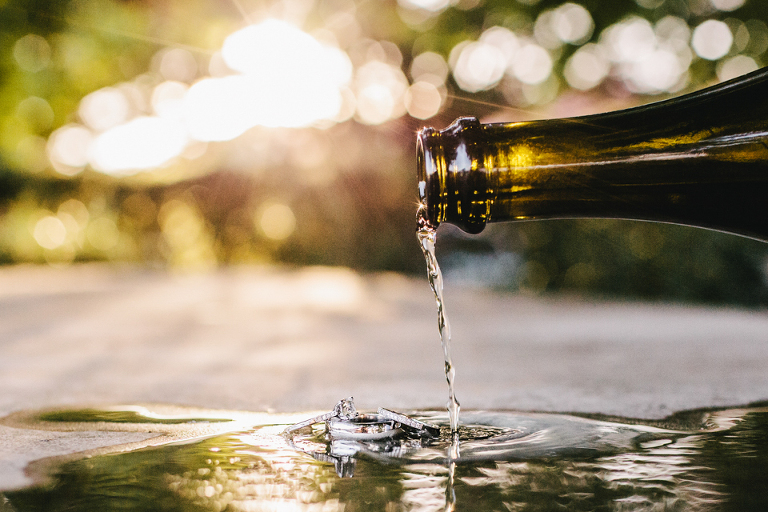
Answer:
(426, 235)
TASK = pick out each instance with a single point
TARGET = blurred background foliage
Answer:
(193, 134)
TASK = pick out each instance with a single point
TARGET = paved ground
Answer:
(280, 340)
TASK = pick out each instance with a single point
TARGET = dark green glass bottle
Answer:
(699, 159)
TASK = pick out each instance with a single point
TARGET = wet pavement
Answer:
(299, 340)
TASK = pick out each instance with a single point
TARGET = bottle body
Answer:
(700, 160)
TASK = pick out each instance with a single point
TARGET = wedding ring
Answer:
(419, 426)
(311, 421)
(345, 410)
(344, 422)
(363, 427)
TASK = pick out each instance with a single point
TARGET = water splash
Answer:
(426, 234)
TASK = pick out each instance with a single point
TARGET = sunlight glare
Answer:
(168, 99)
(177, 64)
(104, 109)
(287, 79)
(142, 143)
(68, 148)
(380, 90)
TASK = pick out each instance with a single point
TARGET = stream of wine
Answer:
(426, 235)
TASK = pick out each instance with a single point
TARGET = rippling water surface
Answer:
(701, 460)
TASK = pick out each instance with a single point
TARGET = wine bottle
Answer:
(700, 159)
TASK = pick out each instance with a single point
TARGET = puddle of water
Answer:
(124, 414)
(702, 460)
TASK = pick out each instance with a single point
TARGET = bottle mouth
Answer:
(423, 156)
(425, 170)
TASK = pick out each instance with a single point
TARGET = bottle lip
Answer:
(426, 168)
(423, 157)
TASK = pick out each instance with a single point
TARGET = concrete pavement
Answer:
(266, 339)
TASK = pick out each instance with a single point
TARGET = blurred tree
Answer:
(342, 191)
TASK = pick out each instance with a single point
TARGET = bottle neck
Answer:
(701, 159)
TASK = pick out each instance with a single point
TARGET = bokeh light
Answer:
(68, 148)
(427, 5)
(380, 90)
(587, 67)
(712, 39)
(272, 74)
(649, 59)
(32, 53)
(142, 143)
(284, 130)
(477, 65)
(736, 66)
(727, 5)
(430, 67)
(50, 232)
(423, 100)
(276, 221)
(569, 23)
(532, 64)
(177, 64)
(104, 109)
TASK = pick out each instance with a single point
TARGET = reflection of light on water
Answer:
(663, 468)
(424, 487)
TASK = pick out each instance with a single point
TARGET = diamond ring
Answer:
(344, 422)
(345, 409)
(418, 426)
(369, 427)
